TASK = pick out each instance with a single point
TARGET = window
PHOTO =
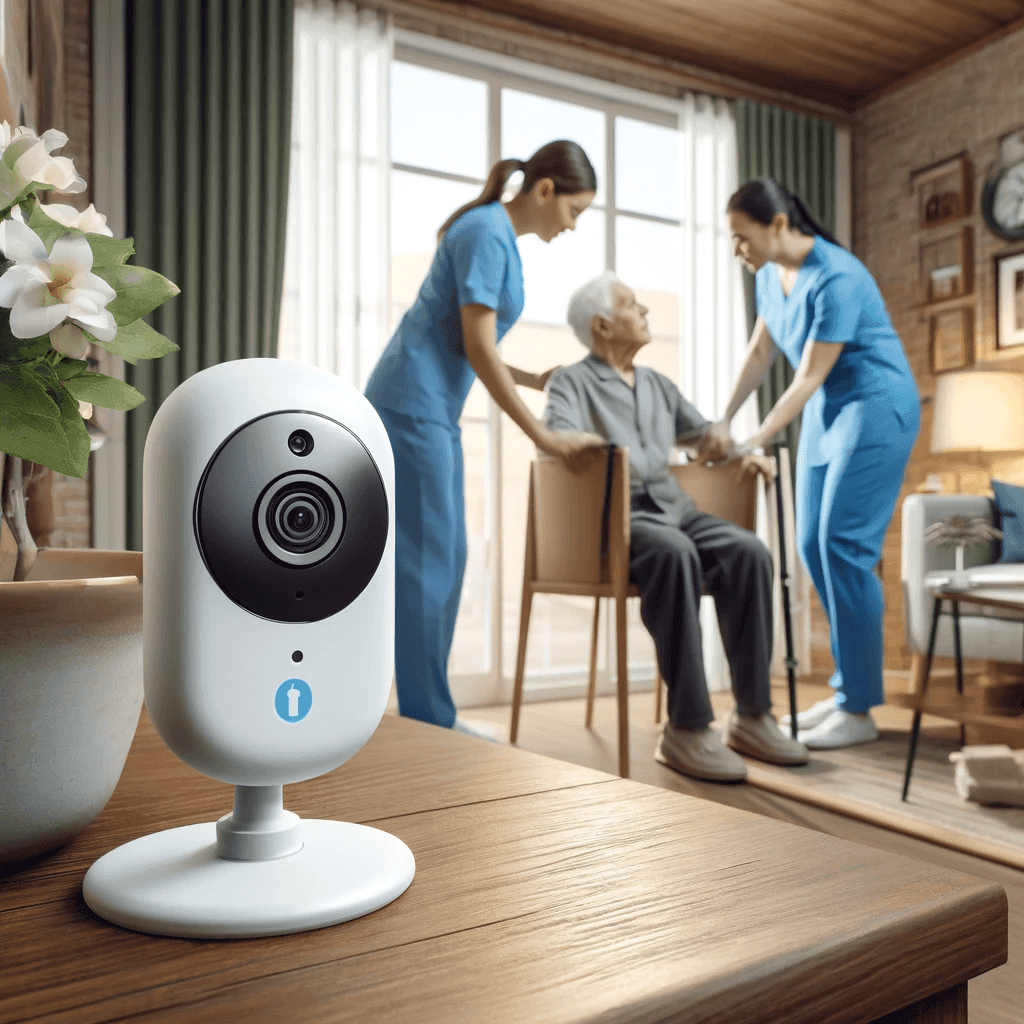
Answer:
(450, 120)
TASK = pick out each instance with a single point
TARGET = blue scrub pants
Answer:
(848, 479)
(430, 559)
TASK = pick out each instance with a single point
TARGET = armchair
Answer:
(991, 634)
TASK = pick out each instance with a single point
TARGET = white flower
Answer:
(36, 161)
(88, 219)
(43, 290)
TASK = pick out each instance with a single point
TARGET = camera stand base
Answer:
(173, 882)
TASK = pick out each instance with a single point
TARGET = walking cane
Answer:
(791, 662)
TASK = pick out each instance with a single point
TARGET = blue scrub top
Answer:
(423, 371)
(835, 299)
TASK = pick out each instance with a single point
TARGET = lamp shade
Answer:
(979, 411)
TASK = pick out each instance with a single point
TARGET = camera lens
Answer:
(300, 442)
(300, 517)
(300, 520)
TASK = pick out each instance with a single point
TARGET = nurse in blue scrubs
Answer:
(819, 305)
(471, 297)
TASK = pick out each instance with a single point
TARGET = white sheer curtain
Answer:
(713, 315)
(334, 310)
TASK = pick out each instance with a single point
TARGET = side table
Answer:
(1007, 598)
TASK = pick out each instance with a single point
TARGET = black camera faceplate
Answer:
(239, 473)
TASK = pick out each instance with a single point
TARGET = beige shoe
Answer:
(699, 753)
(758, 736)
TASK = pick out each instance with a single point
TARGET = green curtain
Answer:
(800, 153)
(208, 133)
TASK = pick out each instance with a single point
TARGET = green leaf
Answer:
(21, 350)
(136, 341)
(76, 437)
(67, 368)
(109, 252)
(139, 291)
(106, 392)
(35, 425)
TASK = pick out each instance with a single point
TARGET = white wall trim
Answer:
(109, 190)
(583, 85)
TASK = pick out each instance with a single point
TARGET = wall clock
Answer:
(1002, 198)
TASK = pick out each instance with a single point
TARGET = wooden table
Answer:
(957, 709)
(544, 892)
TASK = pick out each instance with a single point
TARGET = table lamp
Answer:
(982, 412)
(979, 411)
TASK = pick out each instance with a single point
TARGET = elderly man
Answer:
(675, 550)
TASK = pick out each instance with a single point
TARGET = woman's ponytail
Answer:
(497, 179)
(563, 161)
(764, 198)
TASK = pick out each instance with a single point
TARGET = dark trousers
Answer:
(671, 565)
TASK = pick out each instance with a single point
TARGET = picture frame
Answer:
(945, 266)
(943, 191)
(951, 339)
(1009, 278)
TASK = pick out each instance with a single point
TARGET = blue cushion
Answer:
(1010, 502)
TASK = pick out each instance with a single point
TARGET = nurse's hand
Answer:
(541, 379)
(716, 444)
(576, 451)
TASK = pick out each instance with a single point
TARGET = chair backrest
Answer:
(725, 491)
(564, 514)
(564, 519)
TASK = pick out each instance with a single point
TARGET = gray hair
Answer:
(592, 299)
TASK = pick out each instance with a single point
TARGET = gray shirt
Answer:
(649, 419)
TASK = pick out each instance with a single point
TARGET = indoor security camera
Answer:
(268, 651)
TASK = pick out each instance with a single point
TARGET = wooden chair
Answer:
(563, 553)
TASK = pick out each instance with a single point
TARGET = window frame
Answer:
(499, 71)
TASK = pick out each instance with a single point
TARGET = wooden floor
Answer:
(556, 729)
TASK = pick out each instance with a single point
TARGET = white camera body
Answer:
(268, 634)
(268, 648)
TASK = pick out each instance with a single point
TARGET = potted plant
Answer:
(70, 621)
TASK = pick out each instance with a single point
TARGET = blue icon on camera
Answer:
(293, 700)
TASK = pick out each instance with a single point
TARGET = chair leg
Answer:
(658, 683)
(622, 685)
(524, 630)
(592, 683)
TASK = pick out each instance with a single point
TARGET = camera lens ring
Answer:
(305, 493)
(234, 481)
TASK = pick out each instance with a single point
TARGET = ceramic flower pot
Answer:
(70, 694)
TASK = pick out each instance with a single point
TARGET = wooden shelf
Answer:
(925, 310)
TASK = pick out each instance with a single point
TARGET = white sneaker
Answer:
(481, 730)
(814, 715)
(840, 729)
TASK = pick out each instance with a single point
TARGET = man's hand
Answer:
(715, 444)
(576, 451)
(763, 464)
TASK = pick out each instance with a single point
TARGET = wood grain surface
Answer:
(544, 892)
(838, 52)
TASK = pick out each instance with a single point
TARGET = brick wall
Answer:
(965, 106)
